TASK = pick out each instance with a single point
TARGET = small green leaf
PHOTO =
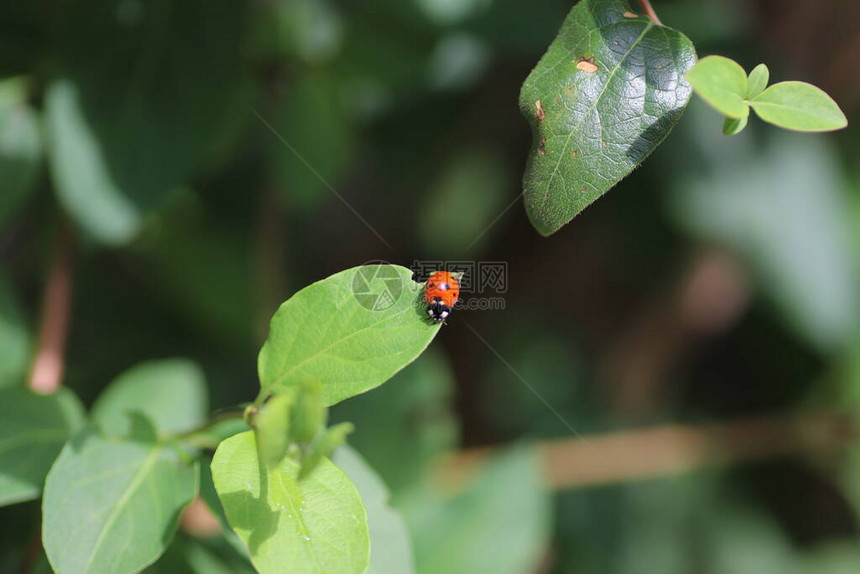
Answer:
(316, 526)
(112, 506)
(390, 543)
(732, 126)
(607, 92)
(799, 106)
(757, 81)
(722, 83)
(271, 426)
(323, 446)
(20, 147)
(352, 331)
(33, 429)
(170, 392)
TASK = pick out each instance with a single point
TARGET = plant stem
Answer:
(216, 418)
(46, 375)
(649, 11)
(674, 449)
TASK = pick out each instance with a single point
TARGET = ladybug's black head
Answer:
(438, 311)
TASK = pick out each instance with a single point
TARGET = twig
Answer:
(32, 553)
(649, 11)
(674, 449)
(47, 372)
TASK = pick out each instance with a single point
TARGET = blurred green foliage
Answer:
(159, 130)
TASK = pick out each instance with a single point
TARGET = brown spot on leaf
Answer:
(542, 146)
(540, 113)
(556, 100)
(573, 153)
(630, 15)
(584, 190)
(603, 144)
(587, 65)
(569, 90)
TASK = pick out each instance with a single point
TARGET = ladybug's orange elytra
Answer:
(441, 293)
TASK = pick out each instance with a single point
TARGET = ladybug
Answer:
(440, 294)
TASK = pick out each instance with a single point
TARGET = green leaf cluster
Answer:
(280, 491)
(797, 106)
(115, 484)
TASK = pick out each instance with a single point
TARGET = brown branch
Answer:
(674, 449)
(47, 372)
(649, 11)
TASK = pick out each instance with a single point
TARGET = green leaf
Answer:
(722, 83)
(14, 338)
(323, 446)
(272, 426)
(129, 124)
(757, 81)
(352, 331)
(606, 93)
(316, 526)
(391, 546)
(111, 505)
(799, 106)
(732, 126)
(33, 429)
(20, 147)
(170, 392)
(501, 524)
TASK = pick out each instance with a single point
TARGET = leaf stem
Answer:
(214, 419)
(649, 11)
(46, 375)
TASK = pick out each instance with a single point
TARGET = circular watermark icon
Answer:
(377, 286)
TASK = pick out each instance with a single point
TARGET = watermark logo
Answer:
(479, 280)
(476, 277)
(377, 286)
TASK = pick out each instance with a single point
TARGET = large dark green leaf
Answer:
(112, 506)
(147, 90)
(606, 93)
(33, 429)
